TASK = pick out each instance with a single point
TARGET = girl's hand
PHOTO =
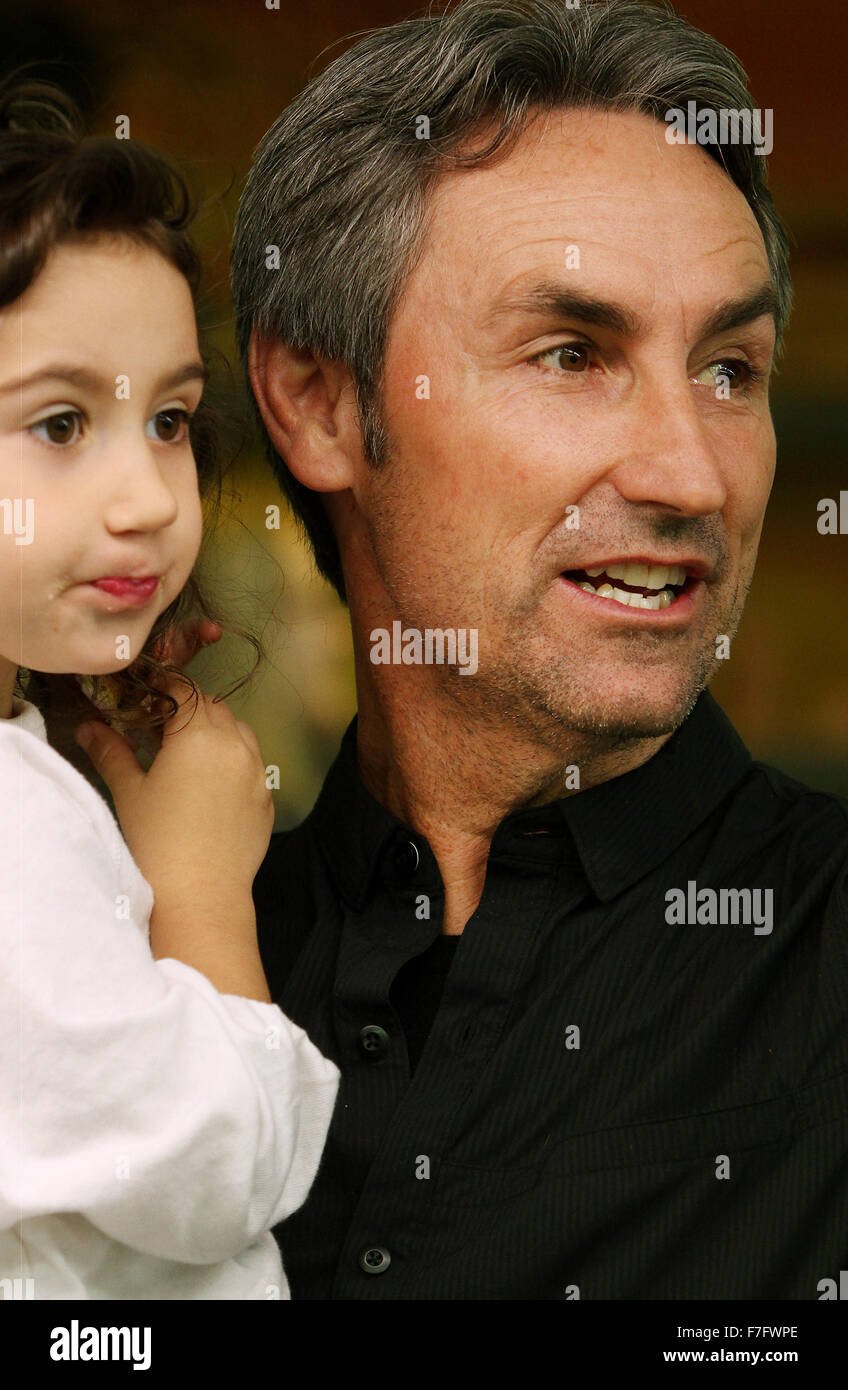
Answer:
(199, 821)
(178, 646)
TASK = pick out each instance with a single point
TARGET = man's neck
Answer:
(453, 776)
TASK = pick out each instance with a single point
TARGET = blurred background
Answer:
(201, 82)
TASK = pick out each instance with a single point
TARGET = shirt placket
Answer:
(389, 1233)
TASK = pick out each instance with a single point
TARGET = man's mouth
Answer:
(633, 585)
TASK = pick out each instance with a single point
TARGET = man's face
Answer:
(648, 419)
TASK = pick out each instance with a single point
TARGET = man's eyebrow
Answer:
(86, 380)
(550, 300)
(553, 301)
(736, 313)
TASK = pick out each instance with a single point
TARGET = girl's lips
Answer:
(132, 592)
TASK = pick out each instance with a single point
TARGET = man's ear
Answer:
(309, 409)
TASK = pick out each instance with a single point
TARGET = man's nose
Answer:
(139, 496)
(671, 457)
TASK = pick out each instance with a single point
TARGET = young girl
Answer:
(158, 1114)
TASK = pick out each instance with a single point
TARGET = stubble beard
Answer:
(558, 699)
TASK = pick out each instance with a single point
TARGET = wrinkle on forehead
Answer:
(554, 160)
(500, 222)
(492, 225)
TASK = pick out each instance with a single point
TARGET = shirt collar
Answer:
(628, 826)
(621, 829)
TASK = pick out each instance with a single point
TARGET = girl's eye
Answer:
(573, 357)
(65, 428)
(739, 374)
(170, 426)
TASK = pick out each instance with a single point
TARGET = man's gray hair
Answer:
(339, 183)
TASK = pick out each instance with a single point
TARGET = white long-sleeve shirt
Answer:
(152, 1130)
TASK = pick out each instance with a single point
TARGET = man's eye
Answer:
(65, 428)
(170, 426)
(737, 374)
(568, 357)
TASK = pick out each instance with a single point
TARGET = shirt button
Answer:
(375, 1260)
(373, 1040)
(405, 858)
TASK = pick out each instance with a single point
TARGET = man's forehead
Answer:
(608, 173)
(562, 202)
(580, 152)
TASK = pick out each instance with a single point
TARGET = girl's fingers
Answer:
(190, 703)
(112, 756)
(177, 646)
(194, 708)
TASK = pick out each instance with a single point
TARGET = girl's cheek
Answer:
(193, 530)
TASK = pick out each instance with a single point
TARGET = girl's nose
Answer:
(140, 498)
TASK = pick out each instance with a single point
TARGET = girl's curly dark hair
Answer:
(58, 184)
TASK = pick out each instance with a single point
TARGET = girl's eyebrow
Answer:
(86, 380)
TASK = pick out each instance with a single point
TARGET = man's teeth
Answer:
(660, 600)
(642, 576)
(660, 579)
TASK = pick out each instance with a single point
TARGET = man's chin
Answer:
(649, 707)
(624, 725)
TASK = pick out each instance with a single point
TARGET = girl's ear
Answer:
(308, 406)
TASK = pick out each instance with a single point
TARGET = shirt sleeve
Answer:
(179, 1121)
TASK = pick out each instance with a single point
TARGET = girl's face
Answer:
(100, 517)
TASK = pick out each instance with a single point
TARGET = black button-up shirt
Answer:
(603, 1088)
